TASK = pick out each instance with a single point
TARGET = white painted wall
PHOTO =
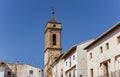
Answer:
(56, 69)
(81, 59)
(114, 49)
(73, 62)
(2, 69)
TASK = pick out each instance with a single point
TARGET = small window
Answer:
(54, 39)
(69, 74)
(2, 63)
(91, 71)
(9, 73)
(66, 63)
(61, 72)
(90, 55)
(54, 25)
(61, 75)
(70, 62)
(118, 39)
(74, 73)
(73, 57)
(101, 49)
(107, 46)
(81, 75)
(31, 71)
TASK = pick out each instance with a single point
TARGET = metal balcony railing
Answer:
(105, 75)
(115, 73)
(112, 74)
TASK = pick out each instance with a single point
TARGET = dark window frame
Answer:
(54, 39)
(54, 25)
(31, 72)
(9, 73)
(118, 39)
(101, 49)
(107, 46)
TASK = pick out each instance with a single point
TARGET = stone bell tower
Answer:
(52, 48)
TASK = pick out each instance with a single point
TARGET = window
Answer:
(31, 71)
(105, 69)
(2, 63)
(66, 63)
(118, 39)
(61, 72)
(9, 73)
(54, 39)
(54, 25)
(107, 46)
(73, 57)
(74, 73)
(91, 72)
(81, 75)
(90, 55)
(101, 49)
(70, 62)
(69, 74)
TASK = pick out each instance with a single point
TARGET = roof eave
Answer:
(103, 35)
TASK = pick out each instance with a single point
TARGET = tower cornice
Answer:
(52, 49)
(52, 29)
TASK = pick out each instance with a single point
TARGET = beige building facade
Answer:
(103, 55)
(19, 70)
(52, 48)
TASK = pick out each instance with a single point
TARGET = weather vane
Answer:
(53, 10)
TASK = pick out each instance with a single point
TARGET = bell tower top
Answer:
(53, 19)
(53, 33)
(53, 23)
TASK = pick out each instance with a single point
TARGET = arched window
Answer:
(54, 39)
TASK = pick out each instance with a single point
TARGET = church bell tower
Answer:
(52, 49)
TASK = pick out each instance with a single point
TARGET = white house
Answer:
(19, 70)
(57, 67)
(103, 55)
(75, 62)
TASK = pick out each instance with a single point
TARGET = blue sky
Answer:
(22, 25)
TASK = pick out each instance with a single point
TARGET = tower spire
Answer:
(53, 19)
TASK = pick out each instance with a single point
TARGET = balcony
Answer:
(105, 75)
(112, 74)
(115, 73)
